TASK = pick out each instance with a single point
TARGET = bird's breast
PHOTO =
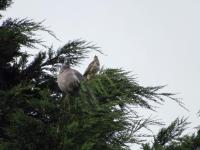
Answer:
(67, 81)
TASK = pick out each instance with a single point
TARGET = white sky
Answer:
(158, 40)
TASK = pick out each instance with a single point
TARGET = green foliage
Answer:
(15, 33)
(171, 138)
(172, 132)
(25, 113)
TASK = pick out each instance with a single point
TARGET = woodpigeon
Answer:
(93, 68)
(69, 79)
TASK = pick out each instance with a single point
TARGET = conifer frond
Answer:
(15, 33)
(123, 87)
(172, 132)
(76, 51)
(170, 137)
(23, 31)
(4, 4)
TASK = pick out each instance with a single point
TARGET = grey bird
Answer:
(92, 68)
(69, 79)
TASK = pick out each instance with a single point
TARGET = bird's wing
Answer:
(88, 68)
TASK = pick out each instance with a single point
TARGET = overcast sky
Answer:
(158, 40)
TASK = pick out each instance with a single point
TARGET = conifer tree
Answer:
(172, 138)
(35, 115)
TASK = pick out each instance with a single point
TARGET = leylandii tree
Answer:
(172, 138)
(35, 115)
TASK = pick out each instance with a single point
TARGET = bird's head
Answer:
(66, 64)
(67, 61)
(95, 57)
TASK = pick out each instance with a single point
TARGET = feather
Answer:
(69, 79)
(92, 68)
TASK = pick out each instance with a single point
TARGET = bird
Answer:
(92, 68)
(69, 79)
